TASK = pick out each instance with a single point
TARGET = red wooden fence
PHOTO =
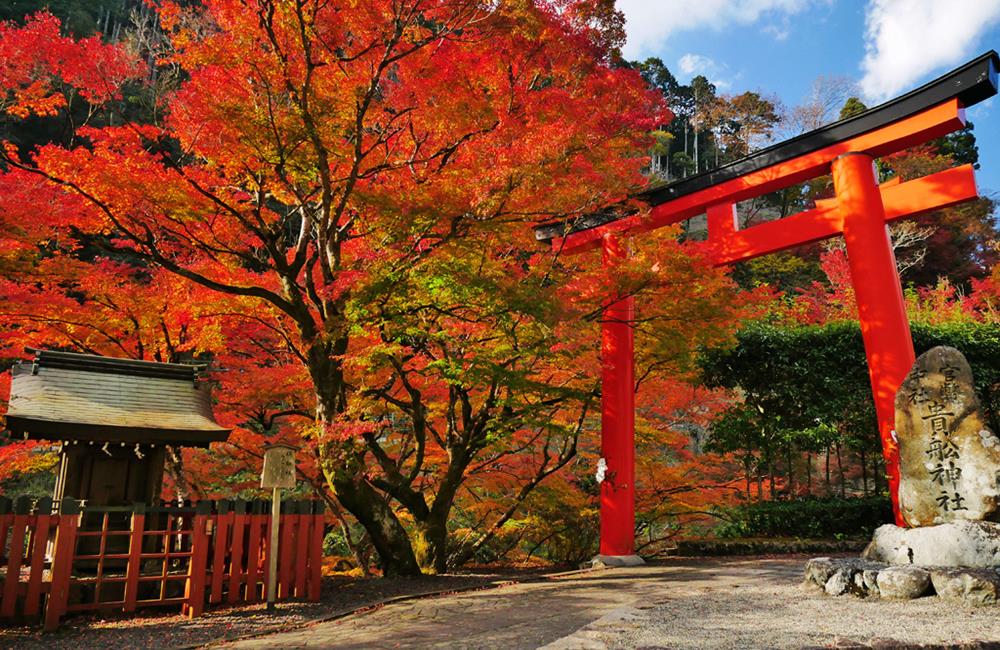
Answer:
(71, 559)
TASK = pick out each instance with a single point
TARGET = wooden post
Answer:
(272, 548)
(11, 583)
(316, 551)
(305, 519)
(278, 472)
(134, 567)
(62, 562)
(289, 530)
(39, 542)
(240, 520)
(195, 591)
(6, 519)
(223, 522)
(254, 550)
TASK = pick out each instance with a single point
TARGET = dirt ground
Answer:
(167, 629)
(744, 602)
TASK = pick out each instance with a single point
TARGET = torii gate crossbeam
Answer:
(859, 211)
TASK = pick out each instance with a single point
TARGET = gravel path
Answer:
(763, 604)
(685, 603)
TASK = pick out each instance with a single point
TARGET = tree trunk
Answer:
(696, 166)
(396, 557)
(828, 488)
(437, 524)
(746, 475)
(430, 544)
(840, 470)
(361, 555)
(344, 467)
(864, 472)
(770, 474)
(174, 463)
(879, 472)
(760, 481)
(789, 457)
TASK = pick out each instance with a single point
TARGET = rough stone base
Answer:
(840, 576)
(973, 586)
(602, 561)
(865, 578)
(955, 544)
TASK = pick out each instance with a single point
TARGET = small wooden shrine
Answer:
(113, 417)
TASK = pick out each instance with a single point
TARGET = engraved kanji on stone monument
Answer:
(949, 460)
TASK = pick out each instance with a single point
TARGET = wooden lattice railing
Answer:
(68, 558)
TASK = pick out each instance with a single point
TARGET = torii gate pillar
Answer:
(617, 419)
(881, 309)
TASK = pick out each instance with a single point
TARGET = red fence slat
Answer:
(236, 558)
(286, 550)
(316, 553)
(255, 549)
(62, 562)
(12, 581)
(194, 592)
(39, 542)
(301, 568)
(223, 524)
(134, 566)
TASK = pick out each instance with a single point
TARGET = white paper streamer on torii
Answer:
(602, 469)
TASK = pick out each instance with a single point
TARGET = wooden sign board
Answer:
(279, 466)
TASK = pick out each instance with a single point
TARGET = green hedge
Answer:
(807, 518)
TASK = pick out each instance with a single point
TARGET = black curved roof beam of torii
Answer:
(970, 84)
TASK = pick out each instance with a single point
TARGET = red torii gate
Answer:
(859, 212)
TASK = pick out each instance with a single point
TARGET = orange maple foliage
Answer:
(336, 207)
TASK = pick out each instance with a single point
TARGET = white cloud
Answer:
(779, 33)
(650, 22)
(694, 64)
(907, 39)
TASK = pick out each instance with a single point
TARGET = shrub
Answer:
(807, 518)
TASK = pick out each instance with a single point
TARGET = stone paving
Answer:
(684, 603)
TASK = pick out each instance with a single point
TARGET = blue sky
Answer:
(780, 47)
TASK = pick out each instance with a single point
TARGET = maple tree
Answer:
(334, 202)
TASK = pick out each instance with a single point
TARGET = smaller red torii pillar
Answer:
(617, 417)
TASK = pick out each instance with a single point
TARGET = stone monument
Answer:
(949, 495)
(949, 460)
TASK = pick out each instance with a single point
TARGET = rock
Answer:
(949, 460)
(838, 584)
(971, 586)
(869, 577)
(956, 544)
(611, 561)
(819, 570)
(903, 582)
(841, 575)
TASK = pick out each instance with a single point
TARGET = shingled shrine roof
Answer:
(67, 396)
